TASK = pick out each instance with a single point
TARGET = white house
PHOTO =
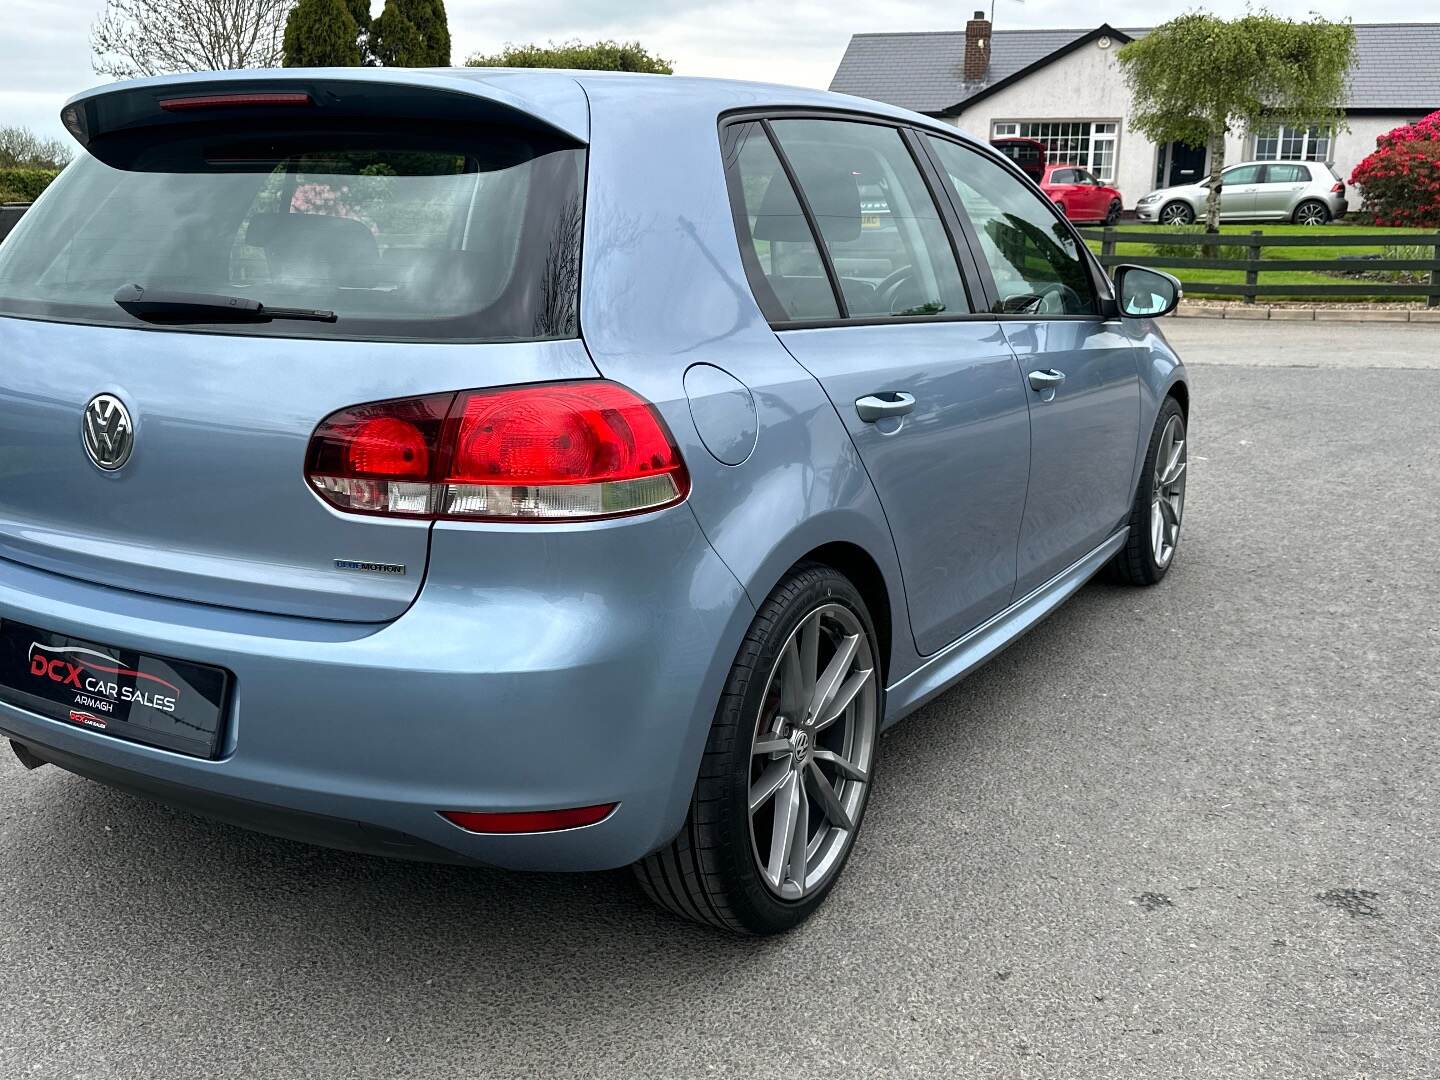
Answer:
(1065, 88)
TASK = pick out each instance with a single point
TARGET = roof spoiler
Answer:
(112, 122)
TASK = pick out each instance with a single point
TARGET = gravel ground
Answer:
(1184, 832)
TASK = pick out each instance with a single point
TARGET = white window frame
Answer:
(1090, 133)
(1303, 145)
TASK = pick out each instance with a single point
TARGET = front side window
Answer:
(468, 236)
(1034, 257)
(886, 240)
(1241, 174)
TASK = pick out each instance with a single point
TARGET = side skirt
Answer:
(964, 655)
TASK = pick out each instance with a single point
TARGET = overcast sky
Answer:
(45, 48)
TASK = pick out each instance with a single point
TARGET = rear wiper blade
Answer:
(163, 305)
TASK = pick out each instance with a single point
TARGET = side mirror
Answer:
(1143, 293)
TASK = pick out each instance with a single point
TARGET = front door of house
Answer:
(1186, 164)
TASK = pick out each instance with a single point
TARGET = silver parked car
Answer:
(1303, 192)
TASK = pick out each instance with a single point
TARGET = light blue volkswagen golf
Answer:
(549, 470)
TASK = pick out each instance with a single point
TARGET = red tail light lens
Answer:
(560, 451)
(1338, 189)
(388, 446)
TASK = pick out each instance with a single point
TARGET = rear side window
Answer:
(1287, 174)
(471, 235)
(884, 234)
(791, 282)
(1063, 176)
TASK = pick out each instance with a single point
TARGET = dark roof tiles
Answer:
(1397, 65)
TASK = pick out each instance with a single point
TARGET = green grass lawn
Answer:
(1281, 277)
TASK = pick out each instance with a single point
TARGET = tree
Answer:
(22, 148)
(575, 55)
(411, 33)
(1401, 179)
(322, 33)
(134, 38)
(1197, 77)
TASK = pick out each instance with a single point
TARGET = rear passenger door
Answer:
(879, 312)
(1282, 182)
(1081, 368)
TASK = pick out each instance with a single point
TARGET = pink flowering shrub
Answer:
(1401, 179)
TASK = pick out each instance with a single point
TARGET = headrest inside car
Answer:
(316, 248)
(831, 186)
(779, 217)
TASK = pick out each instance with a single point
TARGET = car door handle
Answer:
(1046, 380)
(874, 407)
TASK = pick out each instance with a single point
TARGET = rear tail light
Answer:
(1338, 189)
(554, 452)
(529, 821)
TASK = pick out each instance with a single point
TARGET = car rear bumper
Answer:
(588, 675)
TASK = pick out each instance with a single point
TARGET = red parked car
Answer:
(1028, 154)
(1079, 195)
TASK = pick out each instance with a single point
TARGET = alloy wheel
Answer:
(812, 750)
(1311, 213)
(1167, 505)
(1175, 214)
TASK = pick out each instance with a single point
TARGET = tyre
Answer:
(1112, 215)
(1311, 212)
(1177, 213)
(787, 768)
(1159, 506)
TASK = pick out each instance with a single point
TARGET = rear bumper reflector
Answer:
(530, 821)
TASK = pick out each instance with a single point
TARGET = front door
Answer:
(1186, 165)
(1093, 197)
(936, 410)
(1081, 372)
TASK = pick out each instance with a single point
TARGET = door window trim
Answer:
(972, 275)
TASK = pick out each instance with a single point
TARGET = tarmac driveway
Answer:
(1183, 832)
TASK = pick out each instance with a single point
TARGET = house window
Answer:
(1087, 143)
(1293, 144)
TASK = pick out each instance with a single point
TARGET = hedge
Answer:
(24, 184)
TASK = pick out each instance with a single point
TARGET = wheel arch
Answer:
(1180, 391)
(865, 574)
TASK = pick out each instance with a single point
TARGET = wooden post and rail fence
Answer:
(1254, 265)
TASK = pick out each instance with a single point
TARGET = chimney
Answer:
(977, 47)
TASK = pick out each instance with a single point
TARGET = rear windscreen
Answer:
(448, 237)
